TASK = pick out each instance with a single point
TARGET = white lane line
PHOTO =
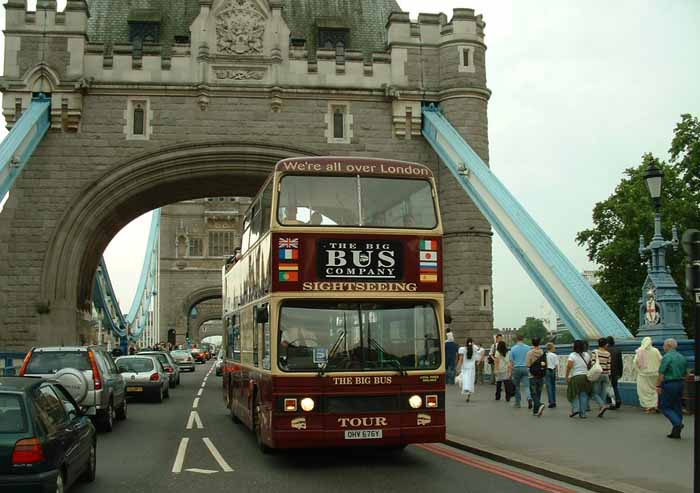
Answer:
(194, 420)
(195, 404)
(180, 457)
(199, 394)
(222, 463)
(201, 471)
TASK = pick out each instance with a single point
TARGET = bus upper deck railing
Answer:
(10, 363)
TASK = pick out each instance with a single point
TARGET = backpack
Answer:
(538, 368)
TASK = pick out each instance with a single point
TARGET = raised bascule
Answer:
(116, 111)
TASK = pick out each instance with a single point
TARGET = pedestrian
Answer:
(519, 371)
(672, 374)
(578, 388)
(492, 357)
(616, 369)
(600, 386)
(646, 362)
(450, 357)
(551, 376)
(480, 364)
(468, 356)
(501, 371)
(536, 361)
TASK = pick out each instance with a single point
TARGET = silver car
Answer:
(144, 376)
(171, 367)
(219, 363)
(105, 401)
(183, 359)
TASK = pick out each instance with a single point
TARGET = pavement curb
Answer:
(546, 469)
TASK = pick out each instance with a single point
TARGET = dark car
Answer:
(199, 356)
(46, 442)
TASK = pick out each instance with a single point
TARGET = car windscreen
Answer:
(135, 365)
(51, 361)
(179, 354)
(12, 419)
(161, 357)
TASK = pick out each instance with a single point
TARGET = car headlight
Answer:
(415, 401)
(307, 404)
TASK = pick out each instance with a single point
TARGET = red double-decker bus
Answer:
(333, 325)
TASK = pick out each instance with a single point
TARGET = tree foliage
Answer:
(533, 327)
(613, 242)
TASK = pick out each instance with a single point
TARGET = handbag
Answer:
(458, 379)
(594, 371)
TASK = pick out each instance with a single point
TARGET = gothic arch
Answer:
(132, 188)
(200, 296)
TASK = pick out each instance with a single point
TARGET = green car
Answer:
(46, 443)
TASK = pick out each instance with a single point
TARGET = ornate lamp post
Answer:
(661, 305)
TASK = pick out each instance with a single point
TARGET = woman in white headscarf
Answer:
(647, 360)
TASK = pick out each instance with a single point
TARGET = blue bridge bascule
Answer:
(576, 302)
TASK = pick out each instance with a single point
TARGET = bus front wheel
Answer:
(257, 426)
(229, 402)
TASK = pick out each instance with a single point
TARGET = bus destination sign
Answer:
(360, 259)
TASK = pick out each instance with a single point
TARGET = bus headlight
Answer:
(307, 404)
(415, 401)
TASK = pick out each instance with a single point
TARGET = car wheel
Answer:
(107, 419)
(60, 481)
(159, 395)
(90, 472)
(122, 411)
(167, 393)
(257, 425)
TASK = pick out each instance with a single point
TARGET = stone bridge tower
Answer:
(161, 101)
(195, 238)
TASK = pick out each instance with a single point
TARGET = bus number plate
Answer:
(362, 434)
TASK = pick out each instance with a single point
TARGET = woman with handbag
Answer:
(578, 388)
(601, 377)
(500, 371)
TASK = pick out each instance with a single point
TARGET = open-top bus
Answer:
(333, 326)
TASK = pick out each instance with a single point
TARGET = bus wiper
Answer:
(331, 353)
(394, 362)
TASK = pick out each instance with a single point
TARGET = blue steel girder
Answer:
(585, 313)
(106, 300)
(146, 289)
(18, 146)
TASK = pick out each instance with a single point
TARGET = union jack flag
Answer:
(289, 242)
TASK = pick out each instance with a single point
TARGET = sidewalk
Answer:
(626, 450)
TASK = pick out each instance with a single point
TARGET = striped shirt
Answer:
(603, 357)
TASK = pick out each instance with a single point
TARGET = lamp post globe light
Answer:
(661, 304)
(654, 177)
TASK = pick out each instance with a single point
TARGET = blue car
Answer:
(46, 443)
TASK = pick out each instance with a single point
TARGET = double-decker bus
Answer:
(333, 308)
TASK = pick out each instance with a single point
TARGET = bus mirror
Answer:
(448, 316)
(261, 315)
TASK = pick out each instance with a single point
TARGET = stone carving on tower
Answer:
(240, 27)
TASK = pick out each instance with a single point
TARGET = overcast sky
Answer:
(580, 91)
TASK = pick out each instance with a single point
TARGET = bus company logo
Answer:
(424, 419)
(360, 259)
(289, 259)
(299, 423)
(363, 422)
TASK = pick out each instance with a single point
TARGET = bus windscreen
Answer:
(340, 336)
(356, 201)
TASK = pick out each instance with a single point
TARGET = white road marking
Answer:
(199, 394)
(180, 457)
(222, 463)
(194, 420)
(195, 404)
(201, 471)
